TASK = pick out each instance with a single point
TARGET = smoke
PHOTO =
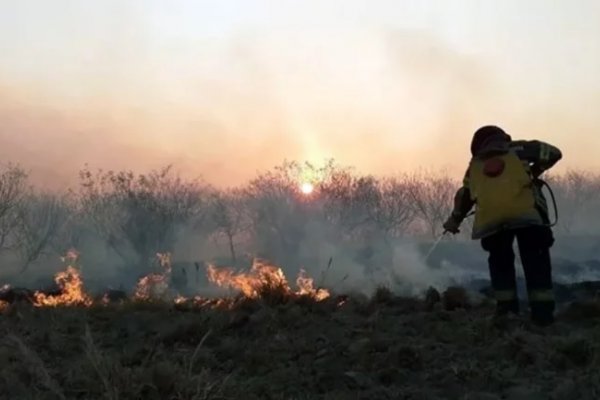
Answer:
(408, 274)
(345, 267)
(113, 95)
(381, 100)
(298, 233)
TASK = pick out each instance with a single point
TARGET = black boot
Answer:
(507, 307)
(542, 313)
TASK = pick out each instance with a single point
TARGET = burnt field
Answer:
(274, 343)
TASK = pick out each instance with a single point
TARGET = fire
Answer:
(264, 280)
(261, 275)
(72, 293)
(264, 276)
(155, 285)
(305, 287)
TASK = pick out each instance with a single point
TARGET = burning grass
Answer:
(384, 347)
(155, 285)
(269, 340)
(71, 291)
(266, 281)
(263, 281)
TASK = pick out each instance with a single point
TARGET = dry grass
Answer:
(384, 347)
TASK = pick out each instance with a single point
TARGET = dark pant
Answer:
(534, 247)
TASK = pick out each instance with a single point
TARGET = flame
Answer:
(262, 279)
(263, 276)
(71, 286)
(260, 276)
(306, 288)
(155, 285)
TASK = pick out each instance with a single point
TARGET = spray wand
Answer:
(434, 246)
(439, 239)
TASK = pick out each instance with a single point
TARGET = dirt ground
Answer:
(341, 348)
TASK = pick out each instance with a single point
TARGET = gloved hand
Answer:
(452, 224)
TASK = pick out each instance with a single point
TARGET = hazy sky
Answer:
(224, 88)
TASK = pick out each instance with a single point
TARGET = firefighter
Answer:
(502, 183)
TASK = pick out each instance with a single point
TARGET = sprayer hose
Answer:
(544, 183)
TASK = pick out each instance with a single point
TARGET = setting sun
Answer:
(307, 188)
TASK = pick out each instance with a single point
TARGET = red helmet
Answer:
(487, 134)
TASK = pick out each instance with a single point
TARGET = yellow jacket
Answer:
(508, 196)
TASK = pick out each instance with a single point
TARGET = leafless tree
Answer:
(76, 229)
(578, 199)
(355, 203)
(40, 218)
(231, 217)
(433, 198)
(281, 215)
(392, 212)
(275, 211)
(346, 200)
(13, 189)
(141, 214)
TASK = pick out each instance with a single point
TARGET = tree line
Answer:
(137, 215)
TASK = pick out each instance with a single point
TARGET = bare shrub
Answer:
(278, 212)
(231, 217)
(139, 215)
(13, 189)
(433, 199)
(393, 211)
(358, 203)
(40, 217)
(342, 206)
(578, 200)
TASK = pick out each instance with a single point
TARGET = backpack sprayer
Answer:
(542, 183)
